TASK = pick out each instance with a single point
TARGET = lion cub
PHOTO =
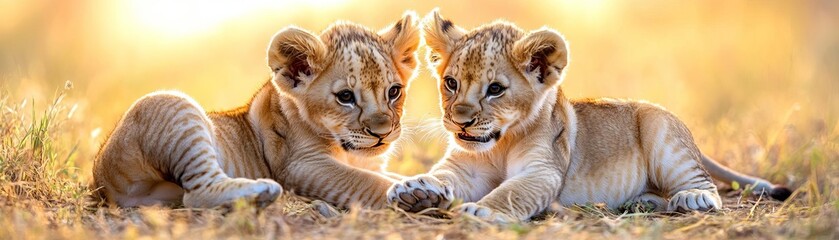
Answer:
(521, 144)
(332, 106)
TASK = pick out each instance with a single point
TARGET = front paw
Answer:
(420, 192)
(483, 212)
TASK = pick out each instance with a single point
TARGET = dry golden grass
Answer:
(43, 197)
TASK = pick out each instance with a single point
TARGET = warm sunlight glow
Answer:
(188, 17)
(752, 84)
(590, 11)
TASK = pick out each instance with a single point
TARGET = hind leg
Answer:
(675, 166)
(133, 183)
(205, 183)
(166, 137)
(189, 154)
(686, 184)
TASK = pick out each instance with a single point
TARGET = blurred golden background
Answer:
(756, 81)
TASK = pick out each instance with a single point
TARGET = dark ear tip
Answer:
(410, 15)
(436, 16)
(780, 193)
(435, 12)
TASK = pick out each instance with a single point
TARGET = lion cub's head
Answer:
(349, 82)
(493, 79)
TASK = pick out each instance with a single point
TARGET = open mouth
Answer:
(349, 146)
(466, 137)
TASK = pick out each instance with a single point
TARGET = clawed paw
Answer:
(694, 200)
(483, 212)
(259, 192)
(419, 193)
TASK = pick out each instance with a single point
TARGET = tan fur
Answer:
(294, 132)
(528, 146)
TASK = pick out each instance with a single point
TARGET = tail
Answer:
(96, 196)
(725, 174)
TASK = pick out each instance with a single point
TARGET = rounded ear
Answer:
(295, 57)
(440, 36)
(403, 38)
(542, 55)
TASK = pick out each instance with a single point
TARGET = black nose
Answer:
(466, 124)
(378, 125)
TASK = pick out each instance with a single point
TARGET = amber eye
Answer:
(451, 84)
(394, 92)
(495, 89)
(345, 97)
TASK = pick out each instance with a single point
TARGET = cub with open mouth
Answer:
(521, 144)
